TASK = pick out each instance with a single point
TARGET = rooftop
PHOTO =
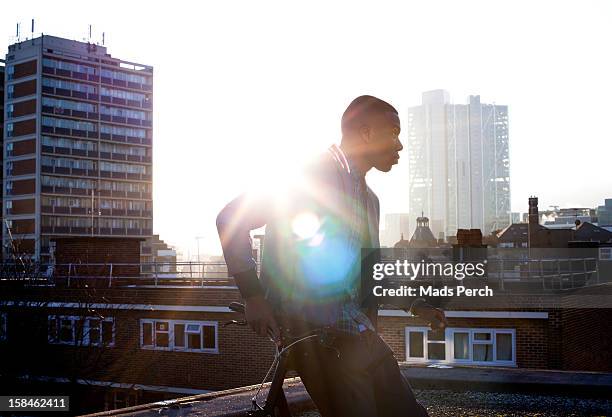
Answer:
(444, 391)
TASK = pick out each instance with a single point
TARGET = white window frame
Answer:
(85, 340)
(171, 346)
(450, 346)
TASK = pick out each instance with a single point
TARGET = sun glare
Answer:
(306, 225)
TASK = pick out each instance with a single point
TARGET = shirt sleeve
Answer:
(251, 211)
(234, 224)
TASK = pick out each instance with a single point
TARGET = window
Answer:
(123, 131)
(68, 66)
(122, 94)
(124, 76)
(66, 182)
(68, 124)
(66, 202)
(482, 347)
(125, 186)
(124, 168)
(83, 145)
(605, 254)
(3, 331)
(179, 335)
(120, 112)
(69, 85)
(121, 149)
(458, 345)
(57, 221)
(81, 331)
(59, 105)
(68, 163)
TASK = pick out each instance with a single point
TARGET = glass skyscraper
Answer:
(459, 173)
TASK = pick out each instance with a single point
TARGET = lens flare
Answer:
(305, 225)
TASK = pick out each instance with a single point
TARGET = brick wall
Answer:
(23, 226)
(25, 127)
(25, 206)
(99, 250)
(587, 328)
(532, 344)
(23, 246)
(25, 88)
(570, 339)
(24, 147)
(243, 357)
(21, 187)
(587, 341)
(24, 69)
(25, 166)
(24, 107)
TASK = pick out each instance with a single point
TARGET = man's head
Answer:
(370, 129)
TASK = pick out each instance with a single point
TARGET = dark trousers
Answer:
(363, 381)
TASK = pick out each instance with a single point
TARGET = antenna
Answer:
(17, 31)
(89, 32)
(103, 38)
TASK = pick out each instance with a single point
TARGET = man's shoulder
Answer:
(322, 168)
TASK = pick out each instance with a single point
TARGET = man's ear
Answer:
(365, 133)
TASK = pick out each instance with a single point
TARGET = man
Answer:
(310, 274)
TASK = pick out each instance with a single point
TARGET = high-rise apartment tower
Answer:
(77, 145)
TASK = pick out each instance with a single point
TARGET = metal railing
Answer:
(152, 273)
(544, 273)
(552, 274)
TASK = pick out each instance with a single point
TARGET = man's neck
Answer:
(357, 161)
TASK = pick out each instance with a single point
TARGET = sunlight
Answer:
(306, 225)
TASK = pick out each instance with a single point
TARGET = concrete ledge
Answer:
(236, 402)
(228, 403)
(592, 384)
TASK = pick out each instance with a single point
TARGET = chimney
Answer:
(469, 237)
(533, 222)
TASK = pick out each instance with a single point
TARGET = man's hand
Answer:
(259, 316)
(435, 316)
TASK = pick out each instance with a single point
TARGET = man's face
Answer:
(382, 139)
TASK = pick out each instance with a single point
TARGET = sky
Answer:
(245, 90)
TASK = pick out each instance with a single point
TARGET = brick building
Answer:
(154, 251)
(116, 345)
(78, 154)
(147, 344)
(2, 75)
(119, 346)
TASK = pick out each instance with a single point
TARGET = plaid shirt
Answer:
(341, 195)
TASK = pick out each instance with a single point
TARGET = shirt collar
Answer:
(344, 161)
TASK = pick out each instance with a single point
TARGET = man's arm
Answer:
(435, 316)
(234, 224)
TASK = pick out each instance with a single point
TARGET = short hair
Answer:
(360, 109)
